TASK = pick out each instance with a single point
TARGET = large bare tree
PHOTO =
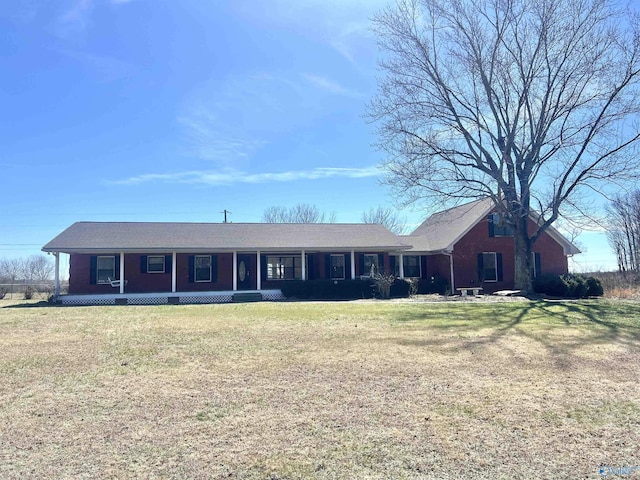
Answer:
(530, 102)
(387, 217)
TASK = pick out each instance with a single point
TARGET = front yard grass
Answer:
(320, 390)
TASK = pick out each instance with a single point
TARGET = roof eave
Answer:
(195, 249)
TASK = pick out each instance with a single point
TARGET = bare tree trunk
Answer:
(522, 259)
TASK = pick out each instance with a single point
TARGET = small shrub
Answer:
(327, 289)
(28, 293)
(576, 286)
(3, 292)
(402, 288)
(413, 286)
(551, 285)
(435, 284)
(594, 287)
(568, 286)
(382, 284)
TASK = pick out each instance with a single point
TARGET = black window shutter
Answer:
(480, 267)
(327, 266)
(538, 264)
(347, 265)
(310, 266)
(117, 272)
(491, 226)
(263, 267)
(143, 264)
(392, 264)
(214, 268)
(192, 263)
(423, 266)
(499, 266)
(361, 264)
(93, 269)
(381, 268)
(168, 261)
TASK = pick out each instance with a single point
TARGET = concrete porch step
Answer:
(247, 297)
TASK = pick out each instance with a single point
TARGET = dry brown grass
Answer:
(320, 390)
(620, 285)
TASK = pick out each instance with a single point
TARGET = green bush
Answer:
(327, 289)
(595, 287)
(435, 284)
(568, 286)
(551, 285)
(577, 286)
(340, 289)
(401, 288)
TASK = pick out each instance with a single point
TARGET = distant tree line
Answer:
(305, 213)
(623, 217)
(32, 274)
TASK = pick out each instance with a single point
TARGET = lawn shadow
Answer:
(40, 304)
(476, 326)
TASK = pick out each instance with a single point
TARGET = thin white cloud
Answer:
(341, 24)
(211, 139)
(75, 19)
(233, 177)
(228, 120)
(324, 83)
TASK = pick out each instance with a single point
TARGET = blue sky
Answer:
(147, 110)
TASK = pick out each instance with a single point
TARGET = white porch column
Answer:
(174, 265)
(304, 267)
(401, 266)
(235, 270)
(258, 271)
(56, 287)
(353, 265)
(122, 272)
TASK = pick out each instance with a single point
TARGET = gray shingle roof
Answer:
(442, 230)
(159, 237)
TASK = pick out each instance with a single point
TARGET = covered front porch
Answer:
(140, 276)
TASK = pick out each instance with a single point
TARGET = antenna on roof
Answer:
(225, 211)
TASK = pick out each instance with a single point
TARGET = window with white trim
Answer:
(285, 267)
(411, 266)
(105, 269)
(155, 264)
(490, 266)
(202, 268)
(337, 267)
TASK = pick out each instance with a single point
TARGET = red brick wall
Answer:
(477, 240)
(438, 266)
(80, 276)
(138, 282)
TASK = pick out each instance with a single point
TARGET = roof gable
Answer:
(442, 230)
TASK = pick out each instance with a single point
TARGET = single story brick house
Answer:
(165, 262)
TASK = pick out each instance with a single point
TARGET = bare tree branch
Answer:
(518, 100)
